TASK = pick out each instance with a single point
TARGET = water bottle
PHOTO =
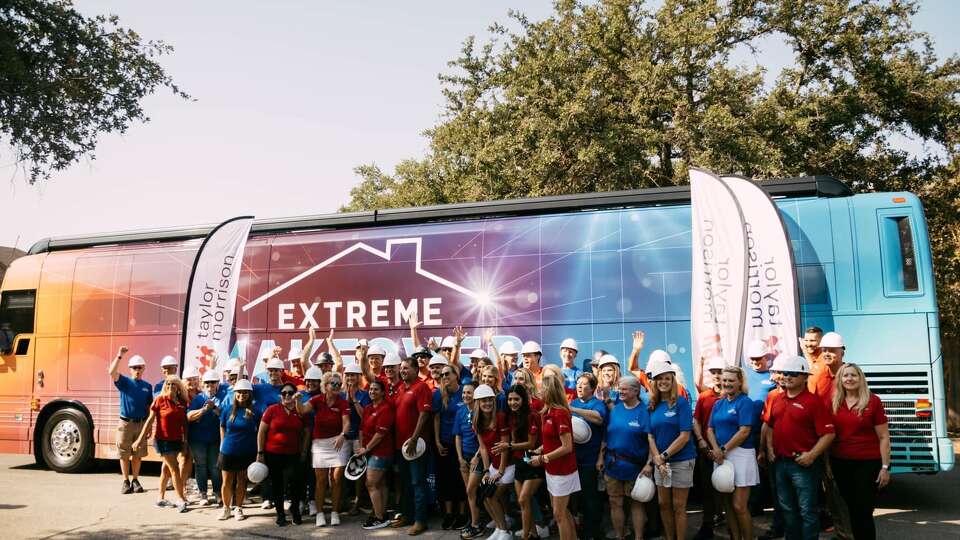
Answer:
(601, 483)
(668, 477)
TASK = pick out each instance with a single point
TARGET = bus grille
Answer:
(912, 439)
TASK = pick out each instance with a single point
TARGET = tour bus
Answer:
(593, 267)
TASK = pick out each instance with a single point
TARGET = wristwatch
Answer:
(723, 449)
(885, 467)
(665, 455)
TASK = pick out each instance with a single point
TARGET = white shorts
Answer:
(745, 470)
(325, 456)
(508, 474)
(561, 485)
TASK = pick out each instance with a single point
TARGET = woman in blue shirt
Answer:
(729, 436)
(238, 447)
(591, 409)
(203, 415)
(624, 454)
(467, 447)
(447, 400)
(672, 448)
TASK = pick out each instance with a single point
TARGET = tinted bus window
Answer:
(16, 310)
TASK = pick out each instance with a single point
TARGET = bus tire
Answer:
(67, 443)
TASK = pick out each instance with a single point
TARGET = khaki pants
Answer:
(127, 433)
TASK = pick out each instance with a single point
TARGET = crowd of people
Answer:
(509, 442)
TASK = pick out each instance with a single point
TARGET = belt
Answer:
(125, 419)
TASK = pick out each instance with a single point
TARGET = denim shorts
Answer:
(378, 463)
(166, 448)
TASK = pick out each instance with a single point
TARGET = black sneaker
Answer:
(372, 523)
(135, 484)
(447, 522)
(282, 521)
(460, 522)
(471, 532)
(296, 518)
(127, 488)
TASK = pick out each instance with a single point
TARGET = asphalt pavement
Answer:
(37, 503)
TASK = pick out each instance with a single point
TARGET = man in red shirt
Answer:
(801, 429)
(413, 409)
(701, 415)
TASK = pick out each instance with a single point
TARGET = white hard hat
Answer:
(294, 355)
(438, 361)
(211, 375)
(569, 343)
(243, 384)
(581, 430)
(531, 347)
(508, 348)
(353, 368)
(722, 478)
(660, 368)
(832, 340)
(376, 350)
(421, 448)
(608, 359)
(793, 363)
(657, 356)
(714, 362)
(233, 365)
(477, 354)
(392, 359)
(448, 343)
(191, 371)
(275, 363)
(355, 467)
(313, 374)
(484, 391)
(756, 349)
(257, 472)
(643, 489)
(136, 360)
(168, 361)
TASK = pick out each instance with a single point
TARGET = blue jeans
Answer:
(797, 489)
(205, 457)
(413, 478)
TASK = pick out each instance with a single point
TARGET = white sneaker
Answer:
(334, 518)
(497, 534)
(505, 535)
(266, 505)
(543, 532)
(203, 500)
(321, 521)
(287, 505)
(491, 524)
(313, 508)
(238, 513)
(225, 515)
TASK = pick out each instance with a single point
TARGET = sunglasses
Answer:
(448, 349)
(287, 393)
(791, 373)
(716, 371)
(446, 373)
(137, 368)
(335, 384)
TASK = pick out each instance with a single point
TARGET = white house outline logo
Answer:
(384, 254)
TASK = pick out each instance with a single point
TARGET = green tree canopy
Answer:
(65, 79)
(621, 94)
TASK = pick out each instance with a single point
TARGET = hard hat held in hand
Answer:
(581, 430)
(643, 489)
(257, 472)
(723, 477)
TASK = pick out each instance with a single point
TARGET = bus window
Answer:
(899, 255)
(16, 316)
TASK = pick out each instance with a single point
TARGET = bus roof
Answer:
(804, 186)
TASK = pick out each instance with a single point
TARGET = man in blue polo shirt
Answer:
(265, 395)
(568, 355)
(135, 398)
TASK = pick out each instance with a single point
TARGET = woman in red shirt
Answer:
(492, 427)
(376, 431)
(170, 412)
(331, 422)
(557, 455)
(283, 436)
(524, 424)
(860, 456)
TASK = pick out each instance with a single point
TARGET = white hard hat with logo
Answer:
(168, 361)
(508, 348)
(531, 347)
(797, 364)
(392, 359)
(484, 391)
(275, 363)
(657, 356)
(136, 360)
(660, 368)
(569, 343)
(831, 340)
(756, 349)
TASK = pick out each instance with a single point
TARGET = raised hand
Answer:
(459, 334)
(488, 336)
(638, 340)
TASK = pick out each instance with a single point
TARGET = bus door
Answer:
(17, 346)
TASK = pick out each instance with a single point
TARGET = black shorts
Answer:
(239, 463)
(525, 472)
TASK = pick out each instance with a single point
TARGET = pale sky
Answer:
(291, 96)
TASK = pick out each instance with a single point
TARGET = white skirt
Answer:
(745, 470)
(508, 474)
(561, 485)
(325, 456)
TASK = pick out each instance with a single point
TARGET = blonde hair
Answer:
(328, 376)
(552, 394)
(531, 381)
(165, 391)
(741, 376)
(840, 393)
(553, 369)
(497, 388)
(616, 376)
(672, 394)
(444, 393)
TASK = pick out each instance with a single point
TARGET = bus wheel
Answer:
(68, 441)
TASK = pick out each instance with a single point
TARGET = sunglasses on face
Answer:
(243, 393)
(335, 384)
(287, 393)
(137, 368)
(448, 349)
(446, 373)
(791, 373)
